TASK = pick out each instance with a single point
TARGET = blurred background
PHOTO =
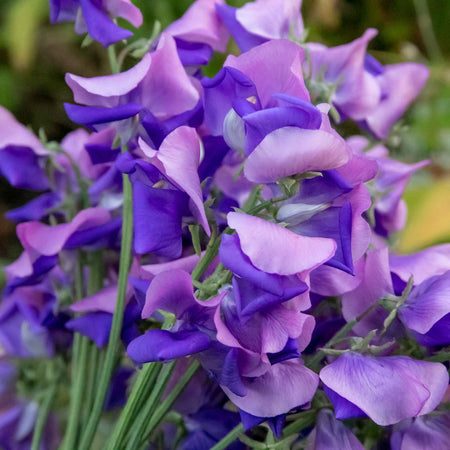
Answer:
(35, 55)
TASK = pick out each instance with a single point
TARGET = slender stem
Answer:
(114, 337)
(164, 407)
(150, 406)
(77, 397)
(306, 419)
(41, 421)
(148, 372)
(426, 30)
(229, 438)
(79, 354)
(211, 252)
(113, 62)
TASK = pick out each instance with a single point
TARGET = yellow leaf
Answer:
(428, 216)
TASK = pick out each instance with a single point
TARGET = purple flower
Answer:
(366, 91)
(331, 434)
(330, 207)
(96, 17)
(424, 433)
(427, 310)
(262, 20)
(22, 314)
(22, 156)
(387, 389)
(201, 24)
(207, 426)
(269, 247)
(194, 329)
(99, 309)
(114, 98)
(375, 284)
(178, 159)
(262, 396)
(258, 110)
(421, 265)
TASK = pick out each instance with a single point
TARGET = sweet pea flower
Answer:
(421, 265)
(328, 206)
(262, 20)
(114, 98)
(387, 389)
(166, 188)
(22, 156)
(367, 92)
(199, 32)
(262, 393)
(193, 331)
(97, 17)
(22, 329)
(427, 310)
(90, 228)
(331, 434)
(423, 433)
(271, 267)
(258, 110)
(389, 185)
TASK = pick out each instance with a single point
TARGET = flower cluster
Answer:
(224, 225)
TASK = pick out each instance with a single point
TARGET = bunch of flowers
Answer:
(209, 265)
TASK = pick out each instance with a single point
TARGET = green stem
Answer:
(113, 62)
(79, 354)
(212, 249)
(229, 438)
(114, 337)
(305, 420)
(164, 407)
(41, 421)
(426, 30)
(77, 397)
(150, 406)
(148, 373)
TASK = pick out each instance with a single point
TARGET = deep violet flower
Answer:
(262, 20)
(423, 433)
(22, 329)
(98, 311)
(172, 291)
(166, 181)
(330, 207)
(96, 17)
(258, 110)
(387, 389)
(367, 92)
(331, 434)
(22, 156)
